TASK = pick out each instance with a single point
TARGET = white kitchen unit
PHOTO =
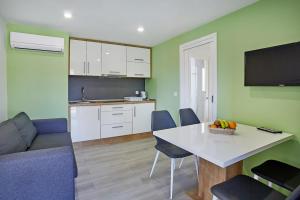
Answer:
(93, 59)
(113, 59)
(142, 117)
(138, 62)
(85, 123)
(85, 58)
(116, 120)
(77, 57)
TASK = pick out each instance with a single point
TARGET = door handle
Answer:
(99, 114)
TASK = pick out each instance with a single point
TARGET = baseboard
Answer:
(114, 140)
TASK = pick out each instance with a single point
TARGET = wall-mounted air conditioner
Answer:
(36, 42)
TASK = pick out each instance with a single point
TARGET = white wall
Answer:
(3, 86)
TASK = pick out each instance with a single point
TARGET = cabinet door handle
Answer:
(84, 67)
(117, 127)
(134, 111)
(139, 59)
(99, 114)
(117, 107)
(139, 74)
(117, 114)
(114, 72)
(88, 65)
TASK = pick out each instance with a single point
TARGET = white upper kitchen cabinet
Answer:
(137, 54)
(113, 59)
(93, 59)
(142, 117)
(85, 123)
(138, 70)
(77, 57)
(138, 62)
(85, 58)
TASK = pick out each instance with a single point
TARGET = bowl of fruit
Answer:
(223, 127)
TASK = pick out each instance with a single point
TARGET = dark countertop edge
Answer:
(111, 103)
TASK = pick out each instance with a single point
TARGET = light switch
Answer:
(175, 94)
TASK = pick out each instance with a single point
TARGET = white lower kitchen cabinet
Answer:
(113, 130)
(142, 117)
(85, 123)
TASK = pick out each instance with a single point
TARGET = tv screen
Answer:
(274, 66)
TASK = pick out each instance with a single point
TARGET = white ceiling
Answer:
(117, 20)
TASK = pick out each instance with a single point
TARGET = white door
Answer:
(77, 57)
(93, 58)
(198, 79)
(142, 117)
(85, 123)
(113, 59)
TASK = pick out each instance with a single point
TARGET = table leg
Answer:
(210, 175)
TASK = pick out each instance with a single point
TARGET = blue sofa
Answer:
(37, 159)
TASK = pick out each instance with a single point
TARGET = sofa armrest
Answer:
(41, 174)
(46, 126)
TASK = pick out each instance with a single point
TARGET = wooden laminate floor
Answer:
(120, 172)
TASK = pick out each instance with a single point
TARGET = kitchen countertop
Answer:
(107, 102)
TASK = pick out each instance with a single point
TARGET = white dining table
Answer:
(221, 156)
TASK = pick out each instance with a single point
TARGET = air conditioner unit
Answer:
(36, 42)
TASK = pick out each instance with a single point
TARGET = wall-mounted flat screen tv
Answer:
(273, 66)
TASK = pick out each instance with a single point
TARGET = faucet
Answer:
(83, 97)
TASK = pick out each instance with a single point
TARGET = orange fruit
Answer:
(213, 126)
(232, 125)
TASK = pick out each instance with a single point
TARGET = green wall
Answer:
(37, 81)
(263, 24)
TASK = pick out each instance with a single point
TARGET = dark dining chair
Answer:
(188, 117)
(277, 172)
(243, 187)
(161, 120)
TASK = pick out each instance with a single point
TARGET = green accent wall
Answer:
(263, 24)
(37, 81)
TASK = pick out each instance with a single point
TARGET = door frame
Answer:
(211, 38)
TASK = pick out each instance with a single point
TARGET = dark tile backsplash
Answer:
(103, 87)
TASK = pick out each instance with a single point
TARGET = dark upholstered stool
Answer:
(244, 187)
(280, 173)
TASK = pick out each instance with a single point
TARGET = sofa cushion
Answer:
(25, 127)
(52, 140)
(45, 141)
(10, 139)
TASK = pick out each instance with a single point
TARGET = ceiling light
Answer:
(107, 53)
(140, 29)
(67, 14)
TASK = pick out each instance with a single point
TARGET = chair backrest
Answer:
(295, 195)
(188, 117)
(161, 120)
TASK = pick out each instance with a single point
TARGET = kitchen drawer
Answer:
(117, 107)
(114, 130)
(116, 117)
